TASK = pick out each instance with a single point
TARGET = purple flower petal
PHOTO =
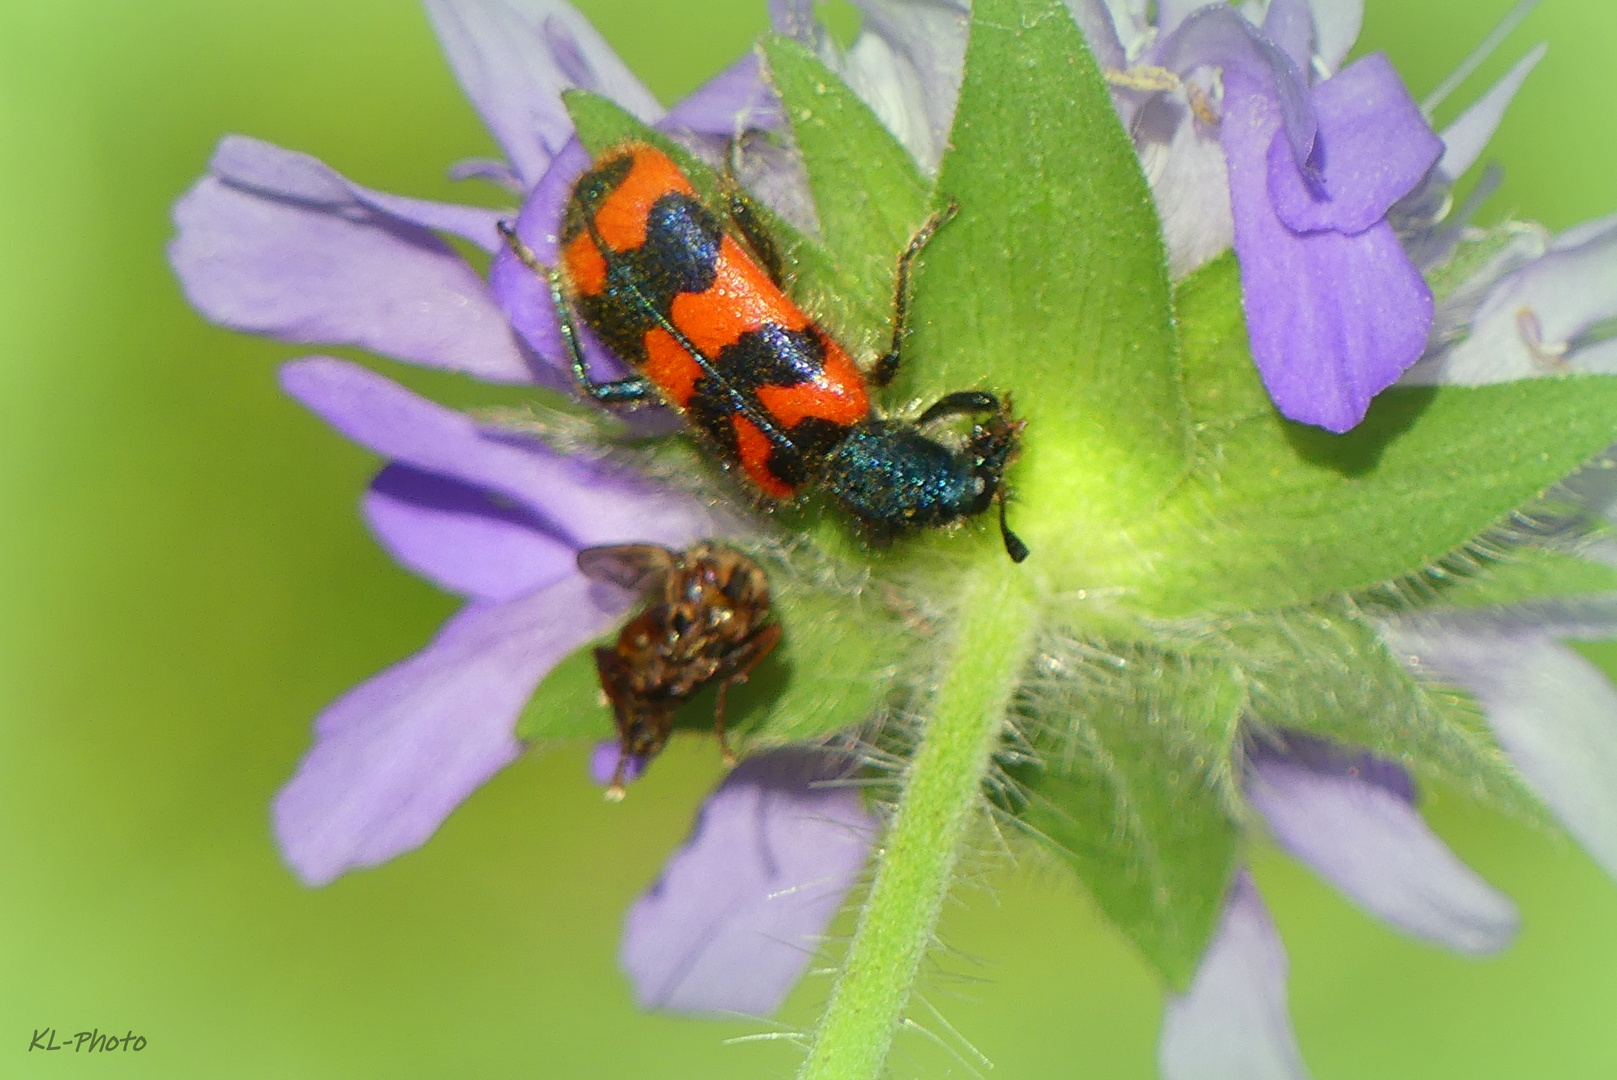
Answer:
(1352, 818)
(1455, 312)
(735, 100)
(1109, 28)
(515, 59)
(579, 501)
(395, 755)
(738, 100)
(886, 81)
(1336, 28)
(1374, 148)
(773, 174)
(1598, 358)
(274, 242)
(525, 295)
(1530, 323)
(1332, 319)
(461, 538)
(795, 19)
(1215, 36)
(1583, 233)
(907, 62)
(1554, 712)
(1290, 25)
(739, 911)
(1232, 1024)
(275, 173)
(1130, 19)
(1466, 138)
(604, 763)
(491, 169)
(1480, 55)
(1172, 13)
(1431, 228)
(1189, 183)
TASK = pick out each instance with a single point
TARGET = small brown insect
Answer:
(706, 620)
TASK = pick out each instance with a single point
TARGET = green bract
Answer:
(1199, 565)
(869, 195)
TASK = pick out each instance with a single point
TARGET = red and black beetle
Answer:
(674, 293)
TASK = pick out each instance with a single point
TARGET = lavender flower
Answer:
(1241, 141)
(1350, 816)
(1335, 308)
(274, 242)
(501, 523)
(1352, 819)
(734, 920)
(1151, 675)
(1554, 712)
(1542, 305)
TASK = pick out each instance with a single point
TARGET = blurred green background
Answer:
(185, 583)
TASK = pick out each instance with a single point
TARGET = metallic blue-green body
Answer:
(890, 474)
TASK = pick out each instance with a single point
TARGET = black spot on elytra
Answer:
(681, 252)
(710, 415)
(590, 190)
(680, 255)
(771, 356)
(815, 437)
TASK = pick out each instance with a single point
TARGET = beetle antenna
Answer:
(1013, 543)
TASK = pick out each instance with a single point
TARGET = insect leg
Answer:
(993, 442)
(737, 402)
(612, 674)
(746, 219)
(887, 366)
(631, 391)
(958, 403)
(726, 755)
(761, 645)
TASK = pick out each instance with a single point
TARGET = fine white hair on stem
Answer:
(948, 1044)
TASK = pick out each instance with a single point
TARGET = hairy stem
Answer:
(942, 788)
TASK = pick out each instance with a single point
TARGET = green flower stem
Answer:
(942, 790)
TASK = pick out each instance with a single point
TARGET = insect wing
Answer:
(636, 567)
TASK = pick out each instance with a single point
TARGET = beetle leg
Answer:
(997, 439)
(746, 219)
(612, 676)
(521, 250)
(630, 391)
(753, 652)
(958, 403)
(887, 366)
